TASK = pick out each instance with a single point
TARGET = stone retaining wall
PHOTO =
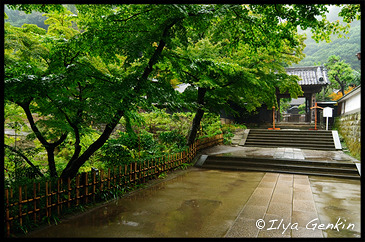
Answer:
(349, 127)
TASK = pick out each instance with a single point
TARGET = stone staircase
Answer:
(303, 139)
(281, 165)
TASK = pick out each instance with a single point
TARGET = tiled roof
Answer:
(310, 75)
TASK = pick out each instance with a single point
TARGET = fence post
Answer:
(77, 186)
(135, 173)
(108, 178)
(59, 204)
(35, 201)
(20, 206)
(86, 186)
(93, 173)
(125, 174)
(119, 176)
(47, 212)
(68, 192)
(144, 171)
(7, 216)
(101, 180)
(130, 172)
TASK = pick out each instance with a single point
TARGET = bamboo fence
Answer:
(34, 204)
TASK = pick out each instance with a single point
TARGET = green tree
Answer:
(61, 23)
(246, 77)
(240, 56)
(340, 73)
(346, 47)
(99, 75)
(107, 70)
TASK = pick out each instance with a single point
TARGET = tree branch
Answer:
(72, 59)
(73, 166)
(25, 158)
(73, 126)
(159, 49)
(134, 15)
(190, 75)
(35, 129)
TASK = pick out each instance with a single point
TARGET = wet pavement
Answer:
(281, 152)
(215, 203)
(196, 203)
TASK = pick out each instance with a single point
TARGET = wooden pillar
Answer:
(278, 114)
(308, 105)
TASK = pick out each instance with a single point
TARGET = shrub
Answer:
(128, 147)
(172, 137)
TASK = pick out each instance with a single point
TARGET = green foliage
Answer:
(350, 11)
(172, 137)
(129, 148)
(340, 73)
(301, 109)
(211, 125)
(346, 47)
(160, 120)
(60, 24)
(161, 134)
(73, 81)
(284, 104)
(229, 130)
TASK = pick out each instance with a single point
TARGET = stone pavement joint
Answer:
(288, 153)
(281, 206)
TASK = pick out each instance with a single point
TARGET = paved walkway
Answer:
(281, 206)
(285, 205)
(212, 203)
(281, 152)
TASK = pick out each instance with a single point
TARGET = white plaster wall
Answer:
(353, 103)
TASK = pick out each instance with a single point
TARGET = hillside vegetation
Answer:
(346, 48)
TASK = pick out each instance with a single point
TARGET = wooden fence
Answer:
(30, 205)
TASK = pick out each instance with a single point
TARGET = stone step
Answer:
(260, 160)
(290, 133)
(299, 172)
(285, 132)
(293, 145)
(276, 133)
(306, 139)
(290, 139)
(345, 170)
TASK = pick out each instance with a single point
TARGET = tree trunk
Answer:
(51, 161)
(342, 85)
(198, 116)
(50, 147)
(342, 89)
(73, 167)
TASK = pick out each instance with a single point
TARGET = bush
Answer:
(172, 137)
(210, 125)
(129, 147)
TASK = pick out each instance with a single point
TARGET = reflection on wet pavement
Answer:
(280, 152)
(198, 203)
(338, 202)
(209, 203)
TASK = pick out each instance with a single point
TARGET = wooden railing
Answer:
(30, 205)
